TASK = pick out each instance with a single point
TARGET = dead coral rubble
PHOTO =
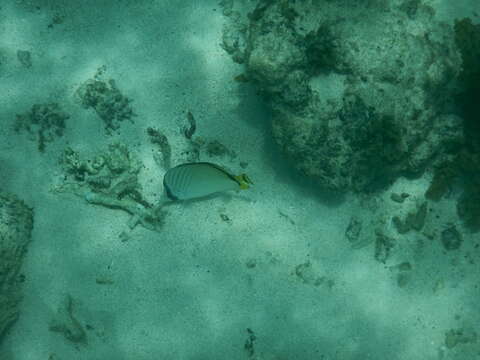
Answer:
(110, 179)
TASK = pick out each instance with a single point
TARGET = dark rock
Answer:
(451, 238)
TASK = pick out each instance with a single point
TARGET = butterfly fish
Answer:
(196, 180)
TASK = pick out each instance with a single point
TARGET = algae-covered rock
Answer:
(403, 273)
(107, 100)
(25, 58)
(43, 123)
(383, 246)
(454, 337)
(468, 208)
(16, 222)
(443, 178)
(216, 148)
(354, 228)
(451, 238)
(414, 220)
(354, 103)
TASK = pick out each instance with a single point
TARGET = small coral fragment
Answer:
(67, 324)
(163, 156)
(192, 126)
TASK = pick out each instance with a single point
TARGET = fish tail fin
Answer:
(244, 181)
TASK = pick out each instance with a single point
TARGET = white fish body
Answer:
(195, 180)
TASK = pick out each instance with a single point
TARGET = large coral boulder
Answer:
(16, 222)
(357, 99)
